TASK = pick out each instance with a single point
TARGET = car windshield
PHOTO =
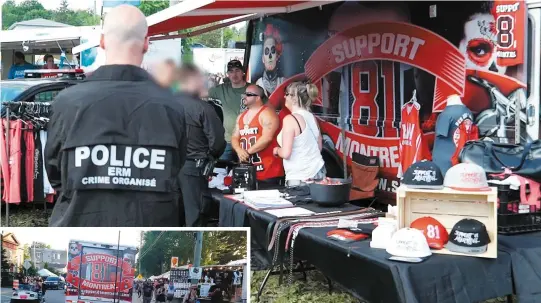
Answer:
(53, 279)
(10, 91)
(25, 287)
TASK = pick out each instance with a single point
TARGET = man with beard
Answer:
(230, 95)
(254, 137)
(205, 133)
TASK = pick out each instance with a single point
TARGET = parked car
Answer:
(35, 88)
(54, 283)
(25, 293)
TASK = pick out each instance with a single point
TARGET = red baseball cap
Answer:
(435, 233)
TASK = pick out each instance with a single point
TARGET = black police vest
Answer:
(114, 154)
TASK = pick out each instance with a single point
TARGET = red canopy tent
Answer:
(192, 13)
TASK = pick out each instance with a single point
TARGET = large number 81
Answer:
(245, 144)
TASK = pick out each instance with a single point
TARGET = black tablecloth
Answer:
(525, 251)
(441, 278)
(368, 273)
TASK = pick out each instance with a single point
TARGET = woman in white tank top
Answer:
(300, 139)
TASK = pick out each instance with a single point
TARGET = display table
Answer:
(525, 252)
(368, 274)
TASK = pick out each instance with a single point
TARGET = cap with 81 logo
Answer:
(435, 233)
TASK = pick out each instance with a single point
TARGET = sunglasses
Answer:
(250, 95)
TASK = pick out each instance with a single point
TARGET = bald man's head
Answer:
(125, 32)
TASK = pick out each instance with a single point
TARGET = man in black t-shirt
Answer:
(215, 293)
(147, 292)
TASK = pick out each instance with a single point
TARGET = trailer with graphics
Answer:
(99, 272)
(369, 58)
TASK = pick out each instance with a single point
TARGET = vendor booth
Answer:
(450, 139)
(229, 276)
(430, 141)
(35, 43)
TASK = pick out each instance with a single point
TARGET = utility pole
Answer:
(34, 254)
(197, 252)
(140, 248)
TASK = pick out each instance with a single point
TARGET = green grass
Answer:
(24, 215)
(315, 289)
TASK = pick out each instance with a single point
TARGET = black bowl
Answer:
(330, 195)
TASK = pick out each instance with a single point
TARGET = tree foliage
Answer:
(32, 9)
(5, 264)
(149, 7)
(219, 247)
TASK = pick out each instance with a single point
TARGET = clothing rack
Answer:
(8, 105)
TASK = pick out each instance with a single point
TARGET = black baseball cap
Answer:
(234, 64)
(468, 236)
(423, 174)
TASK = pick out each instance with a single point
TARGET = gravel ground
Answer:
(314, 290)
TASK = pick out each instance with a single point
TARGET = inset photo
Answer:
(81, 265)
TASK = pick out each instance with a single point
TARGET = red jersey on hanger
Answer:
(412, 147)
(267, 165)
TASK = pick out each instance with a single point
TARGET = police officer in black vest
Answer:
(206, 143)
(117, 141)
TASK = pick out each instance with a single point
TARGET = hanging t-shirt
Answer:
(412, 147)
(47, 187)
(39, 195)
(448, 134)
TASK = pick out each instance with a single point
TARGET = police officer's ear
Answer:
(146, 44)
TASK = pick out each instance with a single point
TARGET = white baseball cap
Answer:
(467, 177)
(382, 236)
(409, 243)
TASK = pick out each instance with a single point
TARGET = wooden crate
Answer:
(449, 206)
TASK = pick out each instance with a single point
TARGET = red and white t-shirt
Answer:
(412, 147)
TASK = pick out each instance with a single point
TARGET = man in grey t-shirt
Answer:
(230, 95)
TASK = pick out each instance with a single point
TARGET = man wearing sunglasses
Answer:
(254, 137)
(230, 94)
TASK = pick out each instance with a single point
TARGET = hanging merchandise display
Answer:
(22, 142)
(412, 146)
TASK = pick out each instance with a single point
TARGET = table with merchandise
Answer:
(428, 248)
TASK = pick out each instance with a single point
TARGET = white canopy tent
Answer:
(47, 38)
(237, 263)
